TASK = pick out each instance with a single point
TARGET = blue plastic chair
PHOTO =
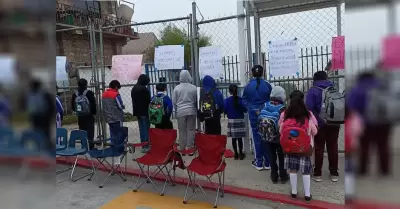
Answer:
(62, 139)
(73, 151)
(113, 147)
(36, 137)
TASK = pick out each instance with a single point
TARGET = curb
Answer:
(33, 162)
(285, 199)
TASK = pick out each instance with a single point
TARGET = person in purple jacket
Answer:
(327, 134)
(377, 134)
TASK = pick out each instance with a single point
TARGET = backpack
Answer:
(37, 104)
(207, 104)
(333, 106)
(156, 110)
(295, 138)
(82, 105)
(267, 124)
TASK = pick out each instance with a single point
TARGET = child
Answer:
(275, 107)
(296, 131)
(211, 106)
(354, 128)
(160, 108)
(235, 110)
(113, 108)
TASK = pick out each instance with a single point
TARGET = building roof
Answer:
(145, 42)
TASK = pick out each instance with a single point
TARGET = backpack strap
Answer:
(85, 92)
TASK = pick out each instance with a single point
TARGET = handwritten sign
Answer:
(338, 53)
(210, 62)
(391, 53)
(7, 64)
(126, 67)
(283, 59)
(169, 57)
(61, 71)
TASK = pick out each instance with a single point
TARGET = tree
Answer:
(172, 35)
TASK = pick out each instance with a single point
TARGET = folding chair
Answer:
(210, 161)
(112, 148)
(161, 154)
(61, 139)
(72, 151)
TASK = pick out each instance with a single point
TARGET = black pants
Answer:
(42, 124)
(165, 124)
(213, 126)
(86, 123)
(275, 153)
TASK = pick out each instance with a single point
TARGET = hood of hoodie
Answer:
(208, 83)
(323, 83)
(185, 77)
(143, 80)
(278, 93)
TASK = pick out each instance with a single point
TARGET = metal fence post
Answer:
(257, 38)
(103, 85)
(248, 34)
(195, 46)
(392, 19)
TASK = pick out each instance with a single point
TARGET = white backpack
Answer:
(333, 106)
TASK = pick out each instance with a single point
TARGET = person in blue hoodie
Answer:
(166, 122)
(256, 93)
(376, 134)
(327, 134)
(235, 110)
(212, 123)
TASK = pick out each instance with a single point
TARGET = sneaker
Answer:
(242, 156)
(267, 167)
(257, 167)
(294, 196)
(317, 178)
(236, 156)
(308, 199)
(284, 179)
(334, 178)
(117, 161)
(274, 180)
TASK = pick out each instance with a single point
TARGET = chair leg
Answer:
(148, 179)
(223, 184)
(67, 169)
(187, 187)
(218, 189)
(84, 175)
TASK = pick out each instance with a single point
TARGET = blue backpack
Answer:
(268, 121)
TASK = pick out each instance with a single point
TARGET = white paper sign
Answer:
(210, 62)
(169, 57)
(283, 59)
(126, 67)
(61, 72)
(7, 64)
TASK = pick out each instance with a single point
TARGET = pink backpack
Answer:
(295, 138)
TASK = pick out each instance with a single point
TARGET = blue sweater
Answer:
(232, 111)
(167, 104)
(255, 98)
(208, 85)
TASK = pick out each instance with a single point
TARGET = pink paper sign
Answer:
(338, 54)
(391, 52)
(126, 67)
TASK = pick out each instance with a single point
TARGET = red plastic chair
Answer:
(210, 161)
(161, 154)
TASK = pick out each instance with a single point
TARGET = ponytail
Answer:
(233, 89)
(258, 82)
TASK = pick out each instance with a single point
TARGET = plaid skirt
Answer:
(302, 164)
(236, 128)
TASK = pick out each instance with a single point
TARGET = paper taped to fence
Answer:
(169, 57)
(283, 59)
(61, 71)
(210, 62)
(338, 53)
(126, 67)
(391, 53)
(8, 64)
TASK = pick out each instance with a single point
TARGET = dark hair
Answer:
(365, 75)
(161, 86)
(297, 109)
(114, 84)
(233, 89)
(296, 93)
(257, 72)
(82, 83)
(320, 76)
(35, 84)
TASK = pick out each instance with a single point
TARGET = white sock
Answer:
(293, 182)
(349, 184)
(306, 183)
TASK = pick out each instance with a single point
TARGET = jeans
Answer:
(115, 130)
(144, 126)
(213, 126)
(260, 151)
(276, 154)
(86, 123)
